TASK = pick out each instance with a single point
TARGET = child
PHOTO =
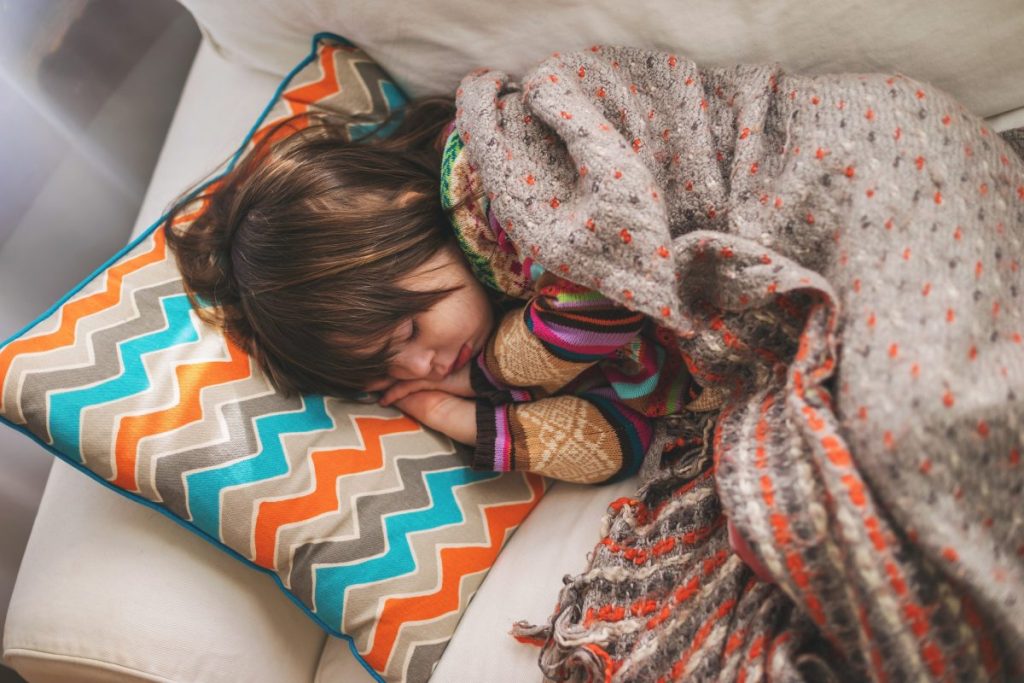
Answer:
(340, 267)
(336, 266)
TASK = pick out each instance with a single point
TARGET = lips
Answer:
(465, 354)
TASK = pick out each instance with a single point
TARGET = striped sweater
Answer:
(569, 382)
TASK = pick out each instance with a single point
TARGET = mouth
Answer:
(465, 354)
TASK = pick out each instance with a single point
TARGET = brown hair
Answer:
(301, 246)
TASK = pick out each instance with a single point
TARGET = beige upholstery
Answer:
(973, 50)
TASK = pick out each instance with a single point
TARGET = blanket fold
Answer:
(841, 254)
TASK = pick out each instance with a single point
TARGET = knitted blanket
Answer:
(841, 254)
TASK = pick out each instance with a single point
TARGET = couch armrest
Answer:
(110, 590)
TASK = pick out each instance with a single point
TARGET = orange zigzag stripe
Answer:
(192, 379)
(456, 562)
(328, 466)
(82, 308)
(300, 99)
(304, 96)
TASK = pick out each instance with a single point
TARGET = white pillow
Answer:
(973, 50)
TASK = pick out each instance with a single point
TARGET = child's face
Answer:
(443, 339)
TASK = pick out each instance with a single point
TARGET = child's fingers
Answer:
(402, 389)
(444, 412)
(459, 383)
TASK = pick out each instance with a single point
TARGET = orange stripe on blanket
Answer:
(329, 465)
(989, 652)
(455, 564)
(192, 379)
(702, 634)
(835, 451)
(74, 311)
(761, 433)
(876, 655)
(814, 420)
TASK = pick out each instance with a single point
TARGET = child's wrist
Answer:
(489, 422)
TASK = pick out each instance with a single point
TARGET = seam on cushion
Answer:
(98, 664)
(1007, 120)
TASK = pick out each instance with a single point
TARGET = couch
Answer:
(111, 591)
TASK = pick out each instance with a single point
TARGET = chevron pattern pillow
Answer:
(374, 526)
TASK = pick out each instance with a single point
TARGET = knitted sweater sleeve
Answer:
(562, 331)
(586, 433)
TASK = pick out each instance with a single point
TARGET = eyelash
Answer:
(415, 330)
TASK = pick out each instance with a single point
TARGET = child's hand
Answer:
(456, 384)
(453, 416)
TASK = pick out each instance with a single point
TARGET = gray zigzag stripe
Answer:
(106, 421)
(370, 511)
(242, 504)
(341, 523)
(421, 664)
(204, 430)
(371, 75)
(107, 363)
(80, 352)
(422, 637)
(474, 531)
(355, 96)
(241, 442)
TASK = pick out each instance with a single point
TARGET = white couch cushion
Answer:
(973, 50)
(139, 598)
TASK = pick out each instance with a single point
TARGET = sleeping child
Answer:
(340, 267)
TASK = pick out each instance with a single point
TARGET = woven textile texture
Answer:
(839, 254)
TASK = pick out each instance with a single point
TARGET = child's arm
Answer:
(586, 439)
(559, 334)
(585, 436)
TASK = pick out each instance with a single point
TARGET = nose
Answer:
(414, 363)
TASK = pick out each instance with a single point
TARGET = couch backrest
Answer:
(973, 50)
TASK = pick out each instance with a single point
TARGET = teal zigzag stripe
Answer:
(205, 486)
(66, 407)
(395, 99)
(332, 582)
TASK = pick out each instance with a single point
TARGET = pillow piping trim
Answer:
(317, 38)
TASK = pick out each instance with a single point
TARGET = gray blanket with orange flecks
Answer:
(842, 255)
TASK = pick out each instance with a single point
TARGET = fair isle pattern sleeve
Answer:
(561, 332)
(587, 439)
(587, 434)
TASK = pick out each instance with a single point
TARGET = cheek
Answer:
(484, 310)
(380, 384)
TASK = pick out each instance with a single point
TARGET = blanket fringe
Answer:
(664, 598)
